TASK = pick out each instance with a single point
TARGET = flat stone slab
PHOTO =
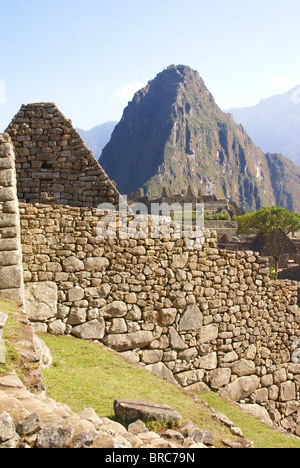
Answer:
(131, 411)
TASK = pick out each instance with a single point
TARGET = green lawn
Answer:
(264, 436)
(85, 375)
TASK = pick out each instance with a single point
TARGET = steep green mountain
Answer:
(285, 178)
(173, 134)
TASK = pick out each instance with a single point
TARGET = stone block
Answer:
(7, 178)
(152, 356)
(208, 362)
(72, 264)
(176, 342)
(75, 294)
(200, 436)
(189, 377)
(77, 316)
(41, 300)
(241, 388)
(7, 245)
(116, 326)
(180, 261)
(11, 277)
(192, 319)
(139, 339)
(162, 371)
(243, 367)
(7, 194)
(130, 411)
(8, 220)
(208, 333)
(14, 294)
(218, 378)
(288, 391)
(114, 310)
(166, 317)
(94, 330)
(29, 425)
(10, 258)
(96, 264)
(7, 427)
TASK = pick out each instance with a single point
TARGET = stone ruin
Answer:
(187, 196)
(53, 165)
(203, 318)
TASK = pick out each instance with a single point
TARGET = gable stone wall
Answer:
(53, 164)
(11, 272)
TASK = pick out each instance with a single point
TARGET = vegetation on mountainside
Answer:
(85, 375)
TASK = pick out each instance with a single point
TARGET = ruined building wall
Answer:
(11, 272)
(53, 164)
(202, 315)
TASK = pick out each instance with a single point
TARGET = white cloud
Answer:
(127, 91)
(99, 88)
(282, 83)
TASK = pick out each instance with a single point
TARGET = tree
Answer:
(273, 224)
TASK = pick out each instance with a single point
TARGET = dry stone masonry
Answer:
(195, 316)
(11, 273)
(53, 164)
(203, 318)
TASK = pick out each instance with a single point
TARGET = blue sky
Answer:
(90, 56)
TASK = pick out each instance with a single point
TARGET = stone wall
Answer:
(53, 164)
(206, 315)
(11, 273)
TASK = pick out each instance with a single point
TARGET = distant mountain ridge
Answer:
(97, 137)
(274, 123)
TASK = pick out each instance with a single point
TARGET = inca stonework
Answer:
(11, 274)
(204, 316)
(53, 164)
(194, 316)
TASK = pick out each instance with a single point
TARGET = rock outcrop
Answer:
(32, 420)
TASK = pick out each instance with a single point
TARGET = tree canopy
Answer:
(273, 224)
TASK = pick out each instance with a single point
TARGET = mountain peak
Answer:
(173, 134)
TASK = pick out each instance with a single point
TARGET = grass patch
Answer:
(85, 375)
(262, 435)
(10, 334)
